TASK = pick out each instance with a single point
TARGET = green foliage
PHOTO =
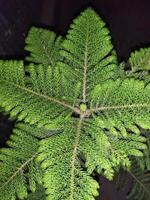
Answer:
(85, 110)
(140, 171)
(87, 53)
(140, 182)
(43, 46)
(18, 167)
(120, 105)
(31, 98)
(65, 178)
(140, 60)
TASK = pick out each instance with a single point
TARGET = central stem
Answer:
(74, 156)
(85, 73)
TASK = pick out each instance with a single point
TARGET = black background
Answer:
(128, 20)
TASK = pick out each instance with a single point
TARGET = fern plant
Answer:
(139, 175)
(77, 113)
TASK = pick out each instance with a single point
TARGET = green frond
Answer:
(43, 46)
(39, 133)
(65, 177)
(70, 158)
(140, 60)
(39, 97)
(105, 152)
(87, 52)
(142, 75)
(122, 105)
(140, 190)
(134, 67)
(140, 182)
(139, 174)
(18, 167)
(124, 71)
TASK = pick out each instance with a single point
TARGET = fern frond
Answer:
(39, 133)
(18, 167)
(142, 75)
(64, 177)
(140, 60)
(87, 52)
(38, 97)
(122, 105)
(69, 159)
(124, 71)
(43, 46)
(140, 190)
(138, 65)
(139, 174)
(140, 182)
(109, 151)
(127, 70)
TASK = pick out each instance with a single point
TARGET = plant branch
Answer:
(85, 73)
(92, 110)
(19, 169)
(59, 102)
(74, 156)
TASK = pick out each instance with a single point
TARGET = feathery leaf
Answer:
(18, 167)
(87, 52)
(140, 182)
(43, 46)
(140, 60)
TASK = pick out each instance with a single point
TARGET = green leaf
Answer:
(140, 182)
(18, 167)
(122, 105)
(70, 158)
(140, 60)
(140, 190)
(39, 98)
(43, 46)
(64, 177)
(87, 52)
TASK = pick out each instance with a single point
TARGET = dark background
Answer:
(128, 20)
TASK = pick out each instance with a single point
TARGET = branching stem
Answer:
(74, 157)
(92, 110)
(59, 102)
